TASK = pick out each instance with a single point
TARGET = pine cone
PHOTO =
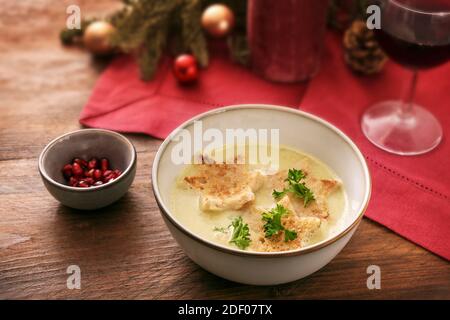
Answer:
(362, 52)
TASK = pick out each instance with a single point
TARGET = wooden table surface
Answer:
(125, 250)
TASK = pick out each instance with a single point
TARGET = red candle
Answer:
(286, 37)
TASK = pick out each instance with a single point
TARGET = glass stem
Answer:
(408, 100)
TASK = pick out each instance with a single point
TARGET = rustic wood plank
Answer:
(125, 250)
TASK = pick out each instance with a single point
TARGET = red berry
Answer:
(97, 174)
(73, 181)
(104, 164)
(83, 163)
(67, 171)
(82, 184)
(89, 173)
(117, 173)
(93, 163)
(89, 181)
(84, 174)
(185, 68)
(77, 170)
(108, 177)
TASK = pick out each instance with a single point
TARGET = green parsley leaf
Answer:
(220, 229)
(294, 176)
(273, 223)
(273, 220)
(296, 187)
(289, 235)
(301, 190)
(278, 194)
(241, 233)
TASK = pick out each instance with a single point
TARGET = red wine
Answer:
(414, 55)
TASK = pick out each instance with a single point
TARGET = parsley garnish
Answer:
(294, 176)
(296, 186)
(241, 233)
(301, 190)
(273, 223)
(278, 194)
(220, 229)
(289, 235)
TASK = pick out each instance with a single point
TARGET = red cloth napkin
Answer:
(122, 102)
(410, 195)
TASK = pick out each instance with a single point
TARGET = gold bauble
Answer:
(218, 20)
(97, 37)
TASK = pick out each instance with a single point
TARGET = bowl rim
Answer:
(166, 213)
(125, 172)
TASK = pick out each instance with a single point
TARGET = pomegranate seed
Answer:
(93, 163)
(97, 174)
(67, 171)
(108, 177)
(84, 174)
(83, 163)
(76, 169)
(104, 164)
(89, 173)
(73, 181)
(82, 184)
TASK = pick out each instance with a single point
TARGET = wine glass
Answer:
(415, 34)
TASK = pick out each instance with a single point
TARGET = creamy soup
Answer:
(259, 208)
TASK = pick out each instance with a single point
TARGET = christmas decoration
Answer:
(239, 49)
(147, 28)
(217, 20)
(185, 68)
(341, 13)
(97, 37)
(74, 36)
(237, 40)
(362, 52)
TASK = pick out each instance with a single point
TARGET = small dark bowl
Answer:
(88, 143)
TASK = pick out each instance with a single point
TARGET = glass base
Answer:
(411, 133)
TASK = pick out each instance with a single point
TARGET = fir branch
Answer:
(72, 36)
(192, 33)
(143, 27)
(239, 50)
(147, 28)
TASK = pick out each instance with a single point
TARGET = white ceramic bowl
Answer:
(88, 143)
(299, 130)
